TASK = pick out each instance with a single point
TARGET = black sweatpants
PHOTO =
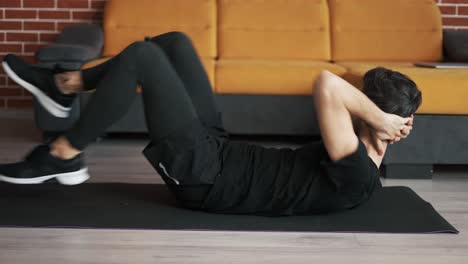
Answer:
(183, 121)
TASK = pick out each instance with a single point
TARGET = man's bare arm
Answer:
(336, 101)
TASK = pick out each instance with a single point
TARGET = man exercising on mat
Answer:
(192, 152)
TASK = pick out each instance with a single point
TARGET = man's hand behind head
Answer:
(405, 131)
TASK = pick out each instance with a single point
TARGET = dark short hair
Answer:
(392, 91)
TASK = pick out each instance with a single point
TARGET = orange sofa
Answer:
(279, 47)
(262, 58)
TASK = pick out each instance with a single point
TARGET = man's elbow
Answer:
(324, 89)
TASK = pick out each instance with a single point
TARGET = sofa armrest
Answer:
(74, 46)
(455, 45)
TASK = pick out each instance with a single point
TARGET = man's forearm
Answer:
(356, 102)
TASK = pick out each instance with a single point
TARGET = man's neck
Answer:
(365, 136)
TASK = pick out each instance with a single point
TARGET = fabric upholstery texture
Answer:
(126, 21)
(274, 29)
(279, 47)
(293, 77)
(78, 43)
(208, 63)
(456, 45)
(397, 30)
(70, 52)
(444, 90)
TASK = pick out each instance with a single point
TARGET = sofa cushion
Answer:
(67, 52)
(274, 29)
(444, 91)
(126, 21)
(76, 43)
(455, 45)
(356, 79)
(292, 77)
(209, 65)
(396, 30)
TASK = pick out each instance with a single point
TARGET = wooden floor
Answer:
(119, 160)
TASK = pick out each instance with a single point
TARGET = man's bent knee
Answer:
(173, 37)
(138, 47)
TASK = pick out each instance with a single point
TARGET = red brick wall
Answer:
(26, 25)
(454, 13)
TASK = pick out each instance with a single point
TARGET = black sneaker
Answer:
(40, 166)
(40, 82)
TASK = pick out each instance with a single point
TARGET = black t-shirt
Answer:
(273, 182)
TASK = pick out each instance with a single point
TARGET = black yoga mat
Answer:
(395, 209)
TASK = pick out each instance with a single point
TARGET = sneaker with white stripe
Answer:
(40, 82)
(40, 166)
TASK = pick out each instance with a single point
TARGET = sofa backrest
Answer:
(273, 29)
(126, 21)
(385, 30)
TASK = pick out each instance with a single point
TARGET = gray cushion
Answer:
(78, 43)
(84, 34)
(67, 52)
(455, 45)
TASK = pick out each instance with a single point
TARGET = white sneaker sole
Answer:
(49, 104)
(69, 178)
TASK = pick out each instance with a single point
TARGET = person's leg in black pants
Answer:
(166, 103)
(175, 90)
(183, 57)
(165, 80)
